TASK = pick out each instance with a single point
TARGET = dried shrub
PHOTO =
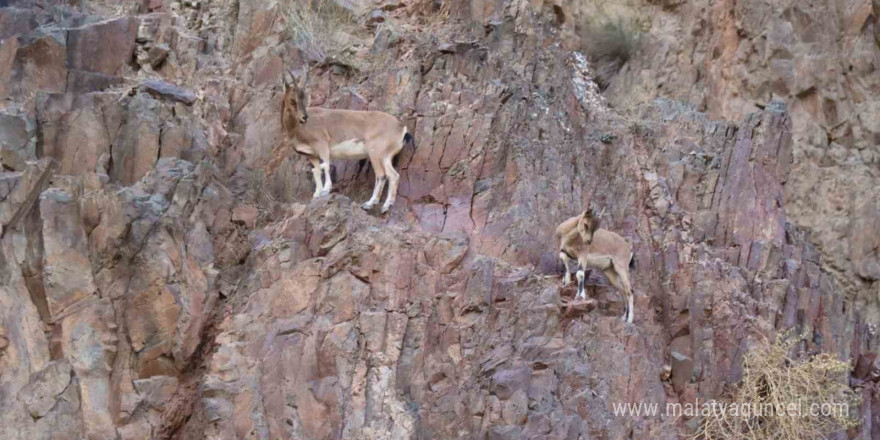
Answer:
(610, 42)
(321, 28)
(773, 381)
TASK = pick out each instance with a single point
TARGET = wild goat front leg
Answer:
(566, 278)
(582, 293)
(316, 173)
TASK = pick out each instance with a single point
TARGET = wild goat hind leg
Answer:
(626, 286)
(377, 192)
(379, 171)
(393, 178)
(616, 281)
(629, 308)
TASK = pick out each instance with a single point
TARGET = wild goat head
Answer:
(296, 96)
(588, 224)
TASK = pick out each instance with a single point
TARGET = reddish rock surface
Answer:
(157, 282)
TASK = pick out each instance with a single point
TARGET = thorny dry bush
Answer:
(788, 397)
(320, 28)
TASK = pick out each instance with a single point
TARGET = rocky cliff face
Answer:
(730, 58)
(157, 282)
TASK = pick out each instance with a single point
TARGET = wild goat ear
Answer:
(594, 225)
(582, 231)
(594, 220)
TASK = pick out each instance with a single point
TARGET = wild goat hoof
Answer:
(366, 206)
(324, 192)
(385, 208)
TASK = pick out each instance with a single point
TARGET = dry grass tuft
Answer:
(774, 381)
(609, 43)
(322, 29)
(58, 11)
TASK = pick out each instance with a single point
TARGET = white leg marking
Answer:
(328, 184)
(582, 294)
(628, 293)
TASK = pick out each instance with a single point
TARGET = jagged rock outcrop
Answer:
(117, 283)
(156, 282)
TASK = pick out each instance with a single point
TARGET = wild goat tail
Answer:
(632, 262)
(409, 138)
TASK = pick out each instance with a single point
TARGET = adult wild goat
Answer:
(579, 238)
(324, 135)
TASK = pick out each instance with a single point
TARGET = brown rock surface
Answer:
(156, 282)
(14, 142)
(103, 47)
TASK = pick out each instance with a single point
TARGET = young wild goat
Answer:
(580, 239)
(325, 134)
